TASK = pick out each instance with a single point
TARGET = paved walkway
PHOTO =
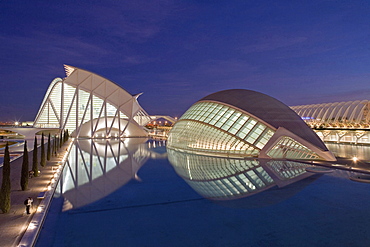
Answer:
(14, 223)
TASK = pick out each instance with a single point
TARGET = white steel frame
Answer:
(350, 114)
(89, 105)
(218, 129)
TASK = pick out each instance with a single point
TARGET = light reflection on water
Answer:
(96, 168)
(219, 178)
(129, 195)
(350, 151)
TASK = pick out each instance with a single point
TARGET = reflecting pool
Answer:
(135, 193)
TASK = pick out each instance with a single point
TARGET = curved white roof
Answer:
(90, 105)
(268, 109)
(102, 88)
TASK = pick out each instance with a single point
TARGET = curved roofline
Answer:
(53, 83)
(70, 80)
(64, 109)
(69, 72)
(268, 109)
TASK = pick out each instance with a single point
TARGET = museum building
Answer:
(91, 106)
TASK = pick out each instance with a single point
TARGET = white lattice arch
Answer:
(92, 101)
(338, 114)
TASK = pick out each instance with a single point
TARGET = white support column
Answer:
(69, 111)
(91, 114)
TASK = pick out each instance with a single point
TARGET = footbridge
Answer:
(168, 118)
(28, 133)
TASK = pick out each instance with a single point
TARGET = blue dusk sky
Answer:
(177, 52)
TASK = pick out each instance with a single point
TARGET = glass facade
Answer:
(287, 148)
(50, 116)
(219, 129)
(84, 97)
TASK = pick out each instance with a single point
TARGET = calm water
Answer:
(129, 194)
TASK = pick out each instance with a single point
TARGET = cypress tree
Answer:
(24, 173)
(53, 152)
(56, 145)
(5, 185)
(35, 168)
(61, 140)
(48, 151)
(43, 161)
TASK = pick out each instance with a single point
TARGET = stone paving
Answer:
(14, 224)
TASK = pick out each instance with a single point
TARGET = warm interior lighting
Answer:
(32, 225)
(355, 159)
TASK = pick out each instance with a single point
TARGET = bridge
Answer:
(27, 132)
(167, 118)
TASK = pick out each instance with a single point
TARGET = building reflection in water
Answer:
(224, 179)
(96, 168)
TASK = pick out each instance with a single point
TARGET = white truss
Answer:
(89, 105)
(351, 114)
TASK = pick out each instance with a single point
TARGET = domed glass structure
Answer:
(245, 123)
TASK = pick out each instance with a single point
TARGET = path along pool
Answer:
(128, 193)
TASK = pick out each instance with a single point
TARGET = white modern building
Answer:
(244, 123)
(91, 106)
(339, 122)
(349, 114)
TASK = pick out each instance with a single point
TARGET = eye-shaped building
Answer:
(245, 123)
